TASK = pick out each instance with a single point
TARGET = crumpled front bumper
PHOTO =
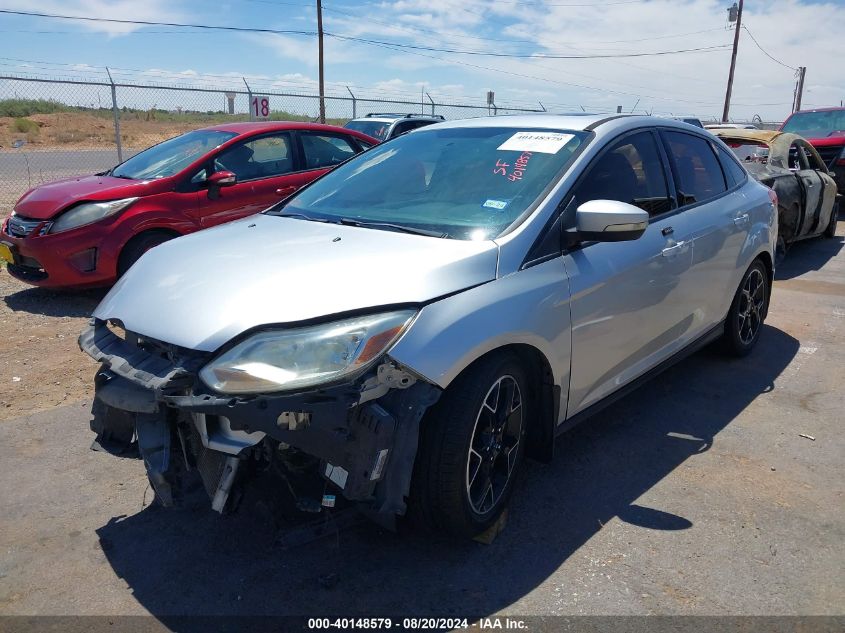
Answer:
(363, 432)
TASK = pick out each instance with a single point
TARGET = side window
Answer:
(630, 171)
(734, 172)
(263, 157)
(325, 151)
(697, 171)
(402, 127)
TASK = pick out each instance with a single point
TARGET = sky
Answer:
(507, 46)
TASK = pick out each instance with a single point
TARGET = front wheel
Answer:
(471, 446)
(748, 311)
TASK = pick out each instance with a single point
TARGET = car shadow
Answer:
(189, 561)
(807, 255)
(55, 303)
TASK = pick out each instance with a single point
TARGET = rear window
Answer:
(697, 171)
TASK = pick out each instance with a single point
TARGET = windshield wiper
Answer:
(295, 214)
(393, 227)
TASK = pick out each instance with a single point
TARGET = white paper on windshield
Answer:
(542, 142)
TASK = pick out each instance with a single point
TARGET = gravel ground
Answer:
(697, 494)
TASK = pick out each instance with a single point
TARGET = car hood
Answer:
(45, 201)
(202, 290)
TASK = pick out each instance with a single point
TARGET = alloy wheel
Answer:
(494, 447)
(752, 301)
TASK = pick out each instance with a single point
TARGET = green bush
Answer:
(25, 107)
(25, 126)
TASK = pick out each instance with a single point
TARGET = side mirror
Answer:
(221, 179)
(609, 221)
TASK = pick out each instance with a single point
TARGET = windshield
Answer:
(463, 183)
(816, 124)
(172, 156)
(376, 129)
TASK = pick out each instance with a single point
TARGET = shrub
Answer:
(25, 126)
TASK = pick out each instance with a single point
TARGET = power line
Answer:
(359, 39)
(754, 39)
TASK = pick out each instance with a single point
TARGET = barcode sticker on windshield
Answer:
(542, 142)
(495, 204)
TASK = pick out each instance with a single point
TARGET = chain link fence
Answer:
(51, 129)
(55, 128)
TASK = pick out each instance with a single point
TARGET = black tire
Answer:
(830, 229)
(748, 311)
(137, 246)
(444, 495)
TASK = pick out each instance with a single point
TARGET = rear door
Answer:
(267, 170)
(716, 217)
(626, 307)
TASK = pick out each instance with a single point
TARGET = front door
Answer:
(266, 170)
(627, 306)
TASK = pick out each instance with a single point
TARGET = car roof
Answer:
(572, 122)
(829, 109)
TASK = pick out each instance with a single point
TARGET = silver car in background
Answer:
(411, 325)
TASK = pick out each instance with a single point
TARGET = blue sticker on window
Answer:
(495, 204)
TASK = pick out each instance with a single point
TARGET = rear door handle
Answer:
(741, 219)
(674, 249)
(286, 191)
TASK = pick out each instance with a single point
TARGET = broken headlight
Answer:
(280, 360)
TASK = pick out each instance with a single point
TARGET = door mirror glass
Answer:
(609, 221)
(221, 179)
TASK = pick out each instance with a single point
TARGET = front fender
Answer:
(529, 307)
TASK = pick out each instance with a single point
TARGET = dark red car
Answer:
(824, 129)
(86, 231)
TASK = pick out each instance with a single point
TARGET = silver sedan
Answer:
(410, 326)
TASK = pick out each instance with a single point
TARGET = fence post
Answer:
(432, 103)
(354, 103)
(116, 114)
(249, 98)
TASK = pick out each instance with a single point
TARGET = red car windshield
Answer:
(816, 124)
(172, 156)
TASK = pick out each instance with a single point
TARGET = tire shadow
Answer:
(189, 561)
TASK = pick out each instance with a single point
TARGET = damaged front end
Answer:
(359, 435)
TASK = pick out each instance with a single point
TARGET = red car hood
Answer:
(45, 201)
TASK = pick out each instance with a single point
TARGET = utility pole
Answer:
(799, 90)
(320, 60)
(727, 109)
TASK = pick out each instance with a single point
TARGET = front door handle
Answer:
(741, 219)
(674, 249)
(285, 191)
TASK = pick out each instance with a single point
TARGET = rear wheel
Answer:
(139, 245)
(471, 447)
(748, 311)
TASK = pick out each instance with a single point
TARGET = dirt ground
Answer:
(41, 366)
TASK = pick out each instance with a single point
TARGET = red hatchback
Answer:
(86, 231)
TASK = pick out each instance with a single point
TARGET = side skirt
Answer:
(705, 339)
